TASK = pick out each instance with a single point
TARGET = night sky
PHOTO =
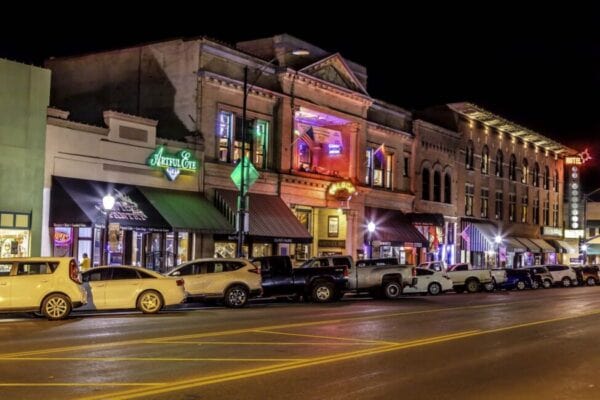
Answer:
(538, 68)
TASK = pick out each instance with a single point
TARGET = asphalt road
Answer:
(542, 344)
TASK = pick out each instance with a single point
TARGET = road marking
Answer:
(365, 343)
(112, 359)
(33, 384)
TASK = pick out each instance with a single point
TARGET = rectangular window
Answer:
(333, 226)
(536, 211)
(499, 205)
(512, 207)
(469, 192)
(592, 232)
(369, 174)
(389, 162)
(405, 169)
(546, 213)
(225, 132)
(524, 205)
(238, 148)
(555, 215)
(260, 143)
(485, 194)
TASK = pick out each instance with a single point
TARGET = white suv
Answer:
(562, 274)
(50, 285)
(232, 280)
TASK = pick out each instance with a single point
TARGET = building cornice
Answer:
(234, 84)
(321, 84)
(79, 126)
(474, 112)
(388, 130)
(437, 128)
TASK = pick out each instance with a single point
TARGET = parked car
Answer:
(519, 279)
(231, 280)
(431, 282)
(321, 284)
(49, 285)
(125, 287)
(562, 274)
(438, 266)
(378, 276)
(542, 276)
(587, 274)
(465, 277)
(498, 278)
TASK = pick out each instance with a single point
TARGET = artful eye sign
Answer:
(173, 164)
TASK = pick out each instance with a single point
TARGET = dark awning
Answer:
(79, 202)
(426, 218)
(187, 211)
(394, 227)
(270, 218)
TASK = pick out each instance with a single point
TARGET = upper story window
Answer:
(485, 160)
(536, 174)
(546, 177)
(406, 165)
(379, 168)
(437, 186)
(469, 155)
(469, 192)
(499, 161)
(485, 199)
(556, 180)
(425, 176)
(512, 168)
(447, 188)
(231, 147)
(525, 171)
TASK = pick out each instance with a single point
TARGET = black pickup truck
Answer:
(280, 279)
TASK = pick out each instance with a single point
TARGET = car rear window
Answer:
(124, 273)
(422, 271)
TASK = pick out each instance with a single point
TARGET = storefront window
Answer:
(84, 242)
(14, 242)
(182, 247)
(225, 249)
(262, 249)
(63, 239)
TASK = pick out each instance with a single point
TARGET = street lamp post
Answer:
(242, 197)
(108, 202)
(498, 240)
(371, 228)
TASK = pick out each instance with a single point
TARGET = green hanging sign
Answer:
(173, 164)
(250, 174)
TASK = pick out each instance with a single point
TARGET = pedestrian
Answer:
(84, 265)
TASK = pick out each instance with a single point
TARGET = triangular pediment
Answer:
(335, 70)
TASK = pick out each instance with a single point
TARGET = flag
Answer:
(309, 134)
(465, 234)
(381, 149)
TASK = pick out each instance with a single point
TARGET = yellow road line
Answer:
(364, 341)
(112, 384)
(192, 383)
(112, 359)
(97, 346)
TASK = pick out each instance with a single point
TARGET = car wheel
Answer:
(591, 281)
(236, 296)
(149, 302)
(56, 306)
(322, 292)
(535, 284)
(472, 286)
(521, 285)
(434, 289)
(392, 290)
(547, 284)
(566, 282)
(490, 286)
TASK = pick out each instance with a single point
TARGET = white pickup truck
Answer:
(378, 276)
(464, 276)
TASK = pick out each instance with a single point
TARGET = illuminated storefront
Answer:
(14, 234)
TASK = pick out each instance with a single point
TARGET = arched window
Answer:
(525, 171)
(425, 184)
(536, 174)
(485, 160)
(469, 155)
(437, 186)
(546, 177)
(556, 180)
(499, 166)
(512, 168)
(447, 188)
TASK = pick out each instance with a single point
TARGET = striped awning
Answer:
(544, 246)
(513, 245)
(532, 247)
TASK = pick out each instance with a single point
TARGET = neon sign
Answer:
(342, 190)
(173, 164)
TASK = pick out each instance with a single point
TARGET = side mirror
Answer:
(176, 273)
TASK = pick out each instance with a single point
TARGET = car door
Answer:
(5, 285)
(189, 273)
(123, 288)
(425, 277)
(276, 277)
(32, 282)
(94, 281)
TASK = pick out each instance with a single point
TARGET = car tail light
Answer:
(180, 282)
(414, 271)
(74, 272)
(346, 272)
(255, 270)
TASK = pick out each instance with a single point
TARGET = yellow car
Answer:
(123, 287)
(49, 285)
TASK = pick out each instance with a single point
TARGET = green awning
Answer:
(593, 249)
(187, 211)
